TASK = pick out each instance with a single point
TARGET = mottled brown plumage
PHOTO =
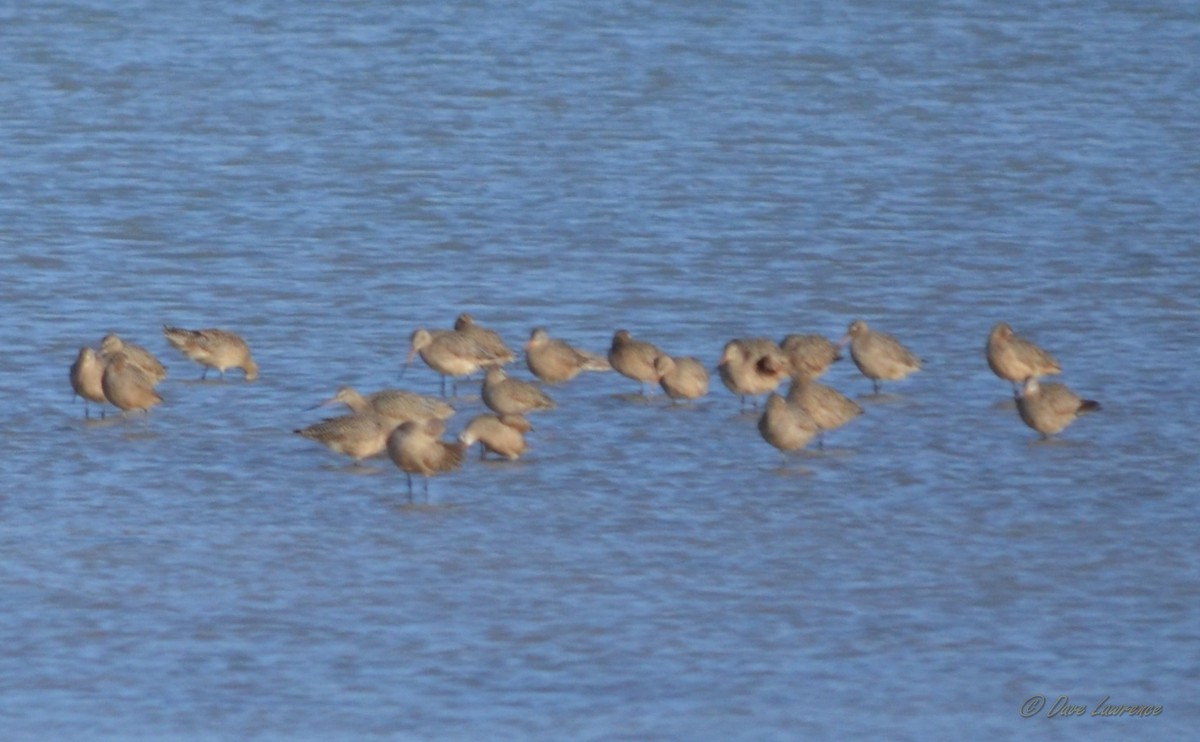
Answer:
(555, 361)
(1015, 359)
(633, 359)
(809, 356)
(416, 448)
(681, 378)
(508, 396)
(503, 435)
(359, 436)
(828, 408)
(485, 338)
(395, 405)
(750, 367)
(879, 356)
(86, 376)
(784, 425)
(126, 385)
(213, 348)
(1049, 408)
(135, 355)
(450, 353)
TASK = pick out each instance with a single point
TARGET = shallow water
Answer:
(327, 179)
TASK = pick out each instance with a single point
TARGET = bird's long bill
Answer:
(844, 341)
(407, 362)
(326, 403)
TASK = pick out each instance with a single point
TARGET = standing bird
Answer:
(681, 378)
(879, 356)
(449, 353)
(1048, 408)
(633, 358)
(809, 355)
(357, 436)
(487, 339)
(784, 425)
(127, 386)
(213, 348)
(554, 361)
(752, 366)
(828, 408)
(503, 435)
(512, 396)
(1014, 359)
(86, 375)
(416, 448)
(135, 355)
(394, 405)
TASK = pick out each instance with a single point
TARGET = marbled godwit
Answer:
(357, 436)
(394, 405)
(752, 366)
(879, 356)
(1014, 359)
(416, 448)
(449, 353)
(555, 361)
(213, 348)
(126, 385)
(503, 435)
(828, 408)
(809, 355)
(135, 355)
(512, 396)
(681, 378)
(785, 426)
(487, 339)
(87, 373)
(1048, 408)
(633, 358)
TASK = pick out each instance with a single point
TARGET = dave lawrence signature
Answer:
(1062, 708)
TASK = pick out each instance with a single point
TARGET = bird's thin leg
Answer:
(409, 477)
(204, 374)
(876, 383)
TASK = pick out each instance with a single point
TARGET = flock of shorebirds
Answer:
(410, 426)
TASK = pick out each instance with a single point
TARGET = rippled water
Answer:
(325, 178)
